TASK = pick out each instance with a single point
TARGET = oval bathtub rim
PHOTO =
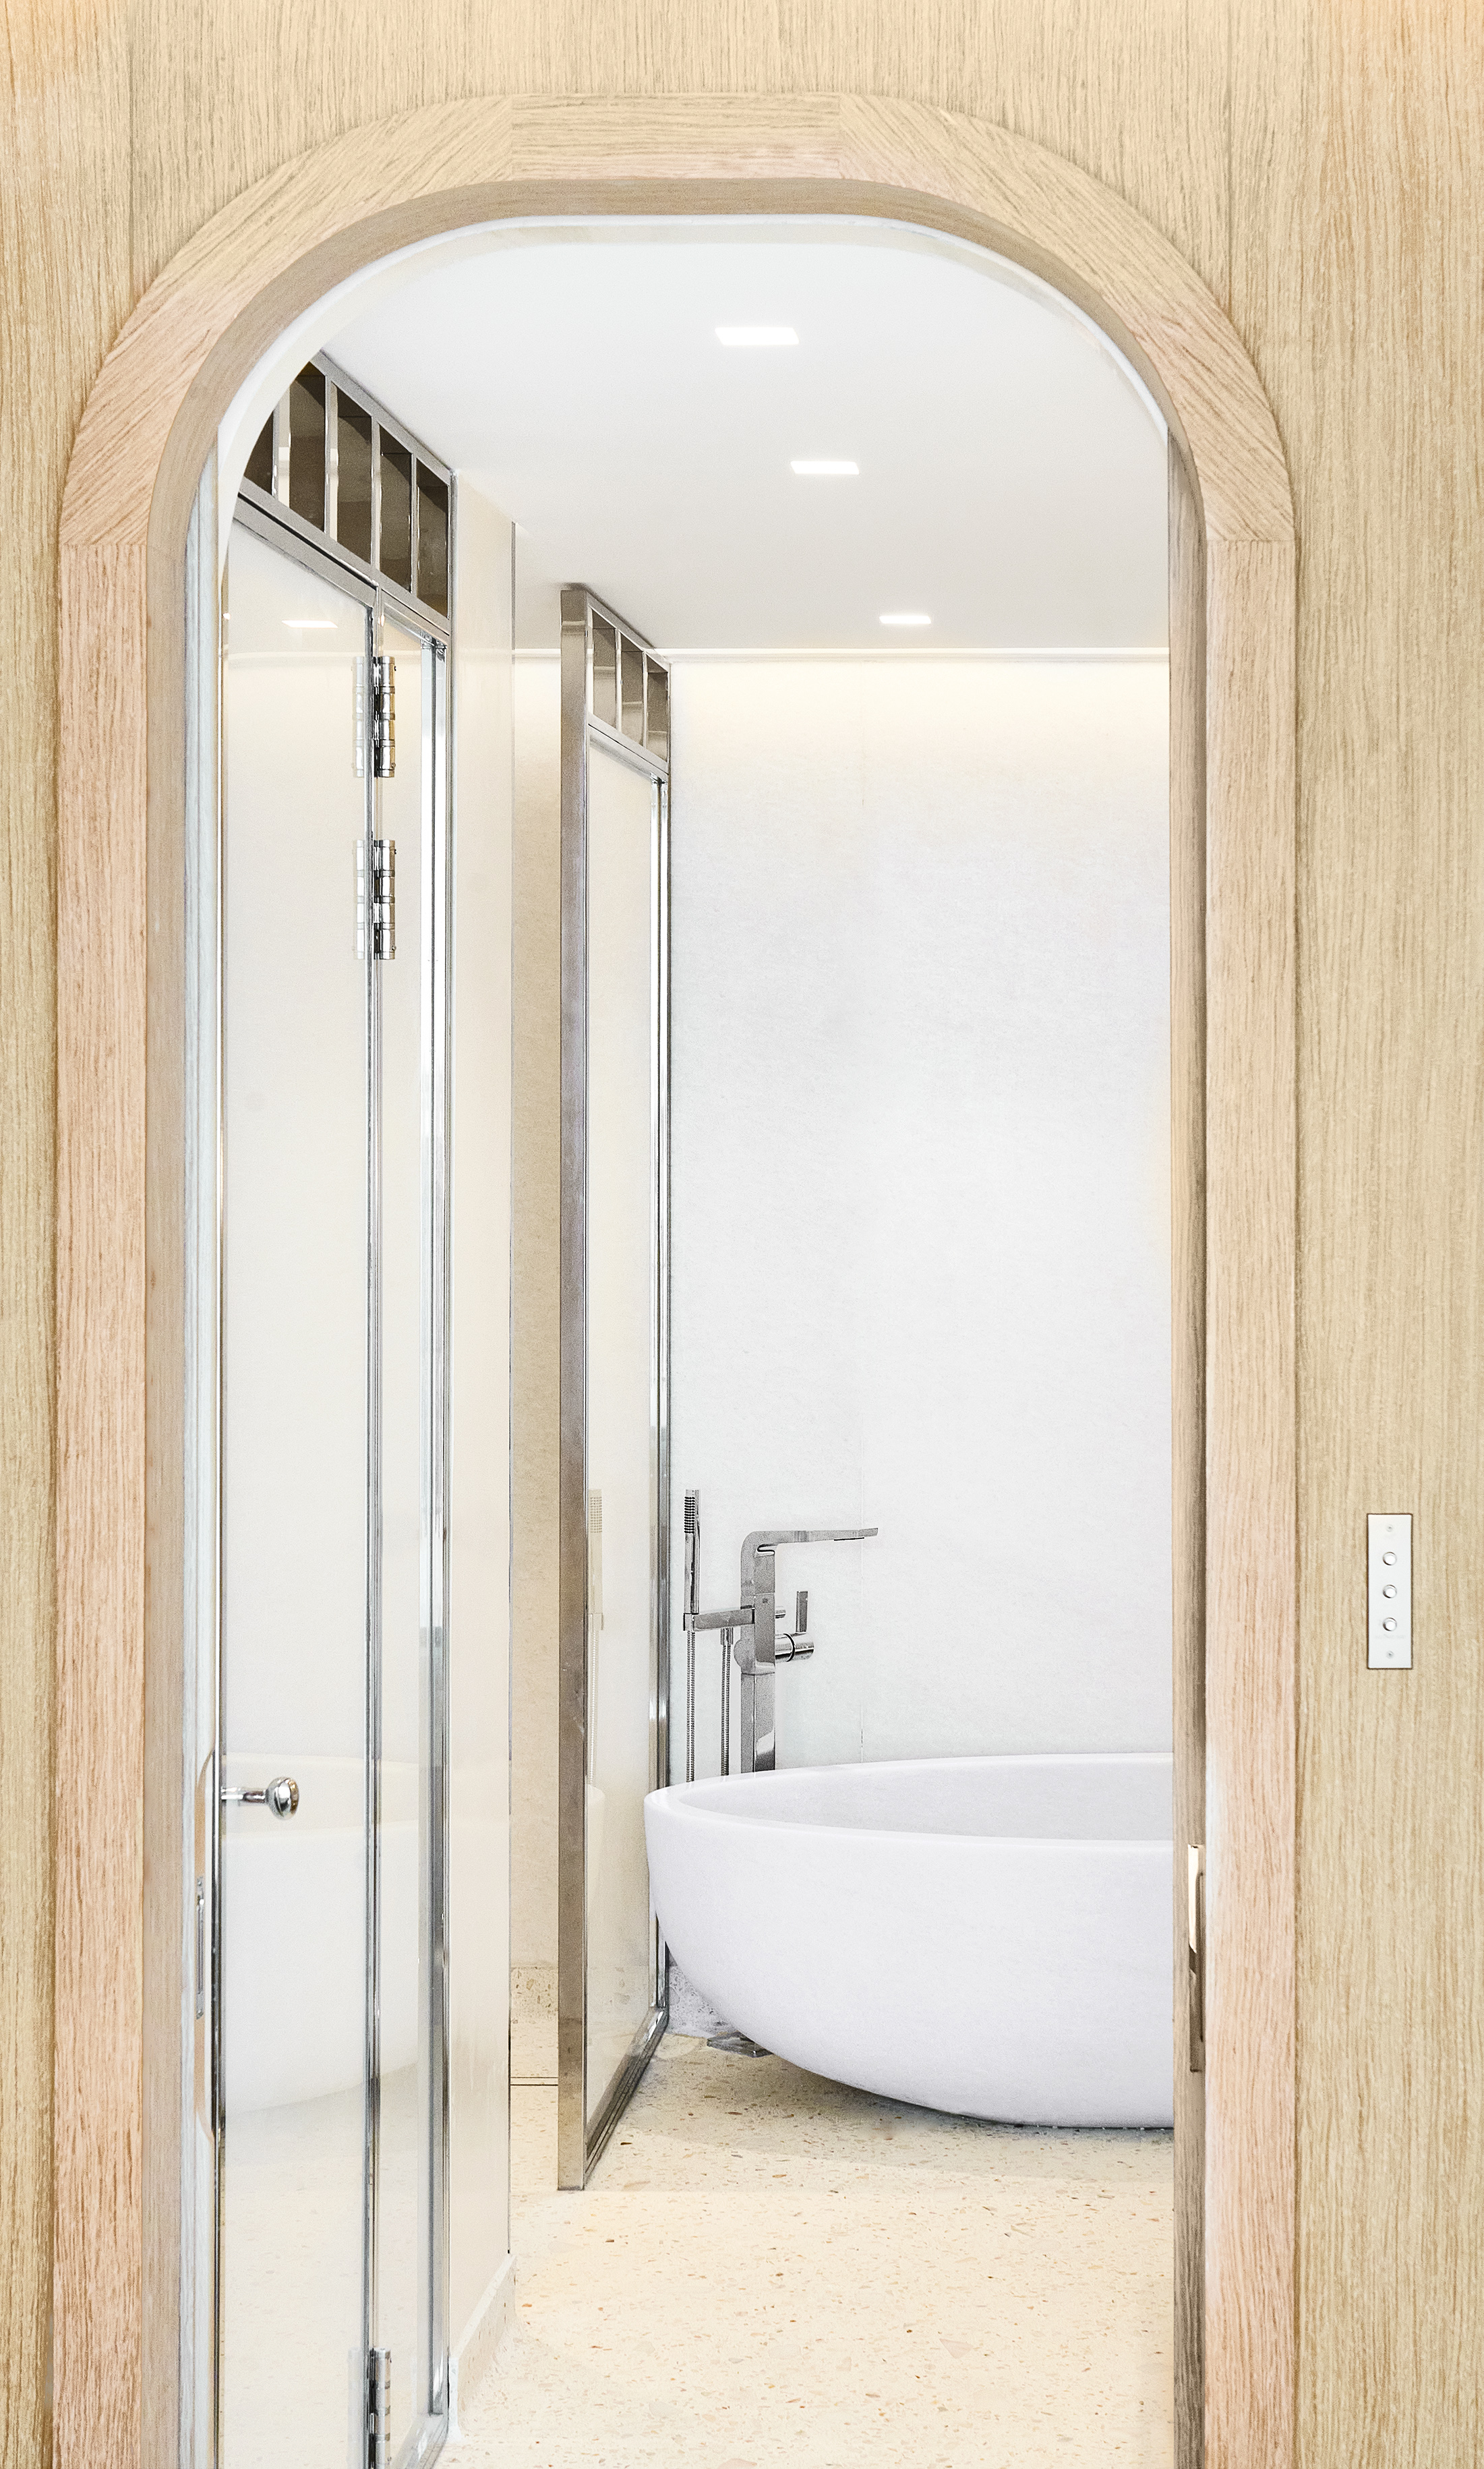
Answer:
(682, 1806)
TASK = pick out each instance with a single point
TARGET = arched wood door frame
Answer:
(148, 431)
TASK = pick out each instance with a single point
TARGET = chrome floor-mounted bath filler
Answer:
(749, 1630)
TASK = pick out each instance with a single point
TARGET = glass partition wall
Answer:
(614, 1654)
(330, 2084)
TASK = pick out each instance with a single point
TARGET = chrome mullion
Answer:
(283, 448)
(440, 2123)
(331, 459)
(445, 775)
(219, 1408)
(373, 1803)
(572, 1522)
(375, 497)
(412, 523)
(433, 1545)
(660, 1765)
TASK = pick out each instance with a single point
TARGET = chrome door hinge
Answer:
(376, 900)
(383, 717)
(378, 2409)
(1195, 1977)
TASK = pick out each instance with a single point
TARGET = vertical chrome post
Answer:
(691, 1605)
(370, 2274)
(728, 1637)
(573, 1543)
(759, 1684)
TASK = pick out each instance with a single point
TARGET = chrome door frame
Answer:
(579, 2142)
(429, 2433)
(380, 600)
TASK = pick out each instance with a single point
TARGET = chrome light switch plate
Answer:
(1388, 1593)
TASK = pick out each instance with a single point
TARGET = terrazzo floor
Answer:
(771, 2271)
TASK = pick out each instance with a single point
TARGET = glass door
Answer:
(331, 2076)
(615, 1365)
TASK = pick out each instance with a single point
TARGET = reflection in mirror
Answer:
(306, 447)
(395, 556)
(260, 462)
(634, 690)
(432, 540)
(605, 673)
(656, 723)
(352, 480)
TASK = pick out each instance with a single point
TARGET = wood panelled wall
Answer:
(1321, 163)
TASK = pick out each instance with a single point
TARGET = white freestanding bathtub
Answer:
(990, 1936)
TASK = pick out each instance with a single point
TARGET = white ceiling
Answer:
(1012, 467)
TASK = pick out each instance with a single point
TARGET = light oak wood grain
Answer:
(1356, 243)
(1333, 210)
(148, 425)
(1135, 96)
(102, 1507)
(63, 292)
(1250, 1503)
(1188, 1421)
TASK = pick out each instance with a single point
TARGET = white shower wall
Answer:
(921, 1188)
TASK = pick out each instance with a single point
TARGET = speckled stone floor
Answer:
(771, 2271)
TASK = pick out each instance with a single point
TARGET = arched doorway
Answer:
(150, 426)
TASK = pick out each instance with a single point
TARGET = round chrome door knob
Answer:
(283, 1795)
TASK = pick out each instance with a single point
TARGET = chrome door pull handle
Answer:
(281, 1795)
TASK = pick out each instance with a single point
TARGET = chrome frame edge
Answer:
(580, 2143)
(572, 1546)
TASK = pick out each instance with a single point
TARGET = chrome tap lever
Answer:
(281, 1796)
(794, 1645)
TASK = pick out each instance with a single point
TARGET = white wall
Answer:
(921, 1209)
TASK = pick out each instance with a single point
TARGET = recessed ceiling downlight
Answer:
(825, 471)
(906, 617)
(755, 338)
